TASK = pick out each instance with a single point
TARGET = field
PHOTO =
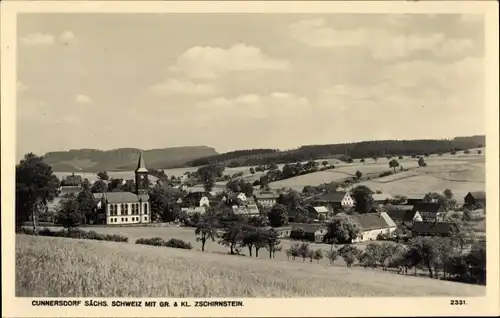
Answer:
(459, 173)
(51, 267)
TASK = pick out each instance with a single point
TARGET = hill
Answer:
(55, 267)
(356, 150)
(92, 160)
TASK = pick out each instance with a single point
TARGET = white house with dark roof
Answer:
(128, 207)
(266, 198)
(372, 225)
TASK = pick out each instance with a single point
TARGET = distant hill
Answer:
(356, 150)
(92, 160)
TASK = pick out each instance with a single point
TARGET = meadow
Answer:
(52, 267)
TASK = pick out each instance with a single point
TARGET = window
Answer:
(125, 209)
(122, 219)
(145, 208)
(111, 220)
(145, 218)
(113, 209)
(126, 219)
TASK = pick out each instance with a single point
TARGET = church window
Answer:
(145, 208)
(145, 218)
(122, 219)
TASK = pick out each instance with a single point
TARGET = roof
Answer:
(281, 228)
(121, 197)
(141, 166)
(382, 196)
(481, 195)
(308, 228)
(196, 195)
(428, 207)
(336, 196)
(70, 189)
(249, 209)
(402, 214)
(434, 227)
(266, 195)
(372, 221)
(388, 219)
(199, 209)
(321, 209)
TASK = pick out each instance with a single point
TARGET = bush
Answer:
(385, 174)
(158, 241)
(77, 234)
(176, 243)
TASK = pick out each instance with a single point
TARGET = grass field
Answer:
(52, 267)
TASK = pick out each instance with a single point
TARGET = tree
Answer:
(400, 158)
(332, 256)
(448, 194)
(304, 251)
(86, 205)
(375, 158)
(258, 221)
(467, 151)
(362, 196)
(362, 160)
(35, 187)
(349, 253)
(358, 175)
(421, 162)
(232, 237)
(273, 166)
(208, 174)
(103, 175)
(99, 186)
(272, 241)
(252, 170)
(318, 255)
(324, 163)
(204, 231)
(69, 216)
(425, 251)
(479, 152)
(342, 230)
(393, 164)
(278, 216)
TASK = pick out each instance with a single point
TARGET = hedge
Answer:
(158, 241)
(78, 234)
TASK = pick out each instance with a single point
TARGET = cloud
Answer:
(82, 99)
(182, 87)
(67, 37)
(211, 62)
(21, 86)
(381, 43)
(38, 39)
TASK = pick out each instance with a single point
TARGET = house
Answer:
(430, 211)
(320, 210)
(404, 214)
(434, 229)
(476, 198)
(192, 210)
(72, 180)
(283, 231)
(65, 191)
(311, 232)
(414, 199)
(128, 207)
(198, 198)
(266, 198)
(248, 210)
(382, 198)
(372, 225)
(337, 199)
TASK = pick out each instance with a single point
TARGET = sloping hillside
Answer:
(55, 267)
(93, 160)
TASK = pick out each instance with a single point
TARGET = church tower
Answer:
(141, 177)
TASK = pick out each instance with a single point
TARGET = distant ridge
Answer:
(93, 160)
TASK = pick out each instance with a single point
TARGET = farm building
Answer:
(128, 207)
(310, 232)
(430, 211)
(434, 229)
(372, 225)
(283, 231)
(320, 210)
(476, 198)
(404, 214)
(337, 199)
(414, 199)
(382, 198)
(70, 190)
(72, 180)
(266, 198)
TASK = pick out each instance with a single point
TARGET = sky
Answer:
(241, 81)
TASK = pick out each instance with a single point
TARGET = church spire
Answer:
(141, 166)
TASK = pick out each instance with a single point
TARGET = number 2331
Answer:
(459, 302)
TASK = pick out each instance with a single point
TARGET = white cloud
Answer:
(67, 37)
(82, 99)
(187, 87)
(21, 86)
(38, 39)
(211, 62)
(381, 43)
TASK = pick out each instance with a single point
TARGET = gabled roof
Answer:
(478, 195)
(402, 215)
(372, 221)
(196, 195)
(121, 197)
(435, 227)
(141, 166)
(321, 209)
(308, 228)
(336, 196)
(70, 189)
(249, 209)
(427, 207)
(267, 195)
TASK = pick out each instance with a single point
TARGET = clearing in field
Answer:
(55, 267)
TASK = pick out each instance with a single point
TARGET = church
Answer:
(128, 207)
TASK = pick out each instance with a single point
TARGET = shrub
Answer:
(176, 243)
(78, 234)
(385, 174)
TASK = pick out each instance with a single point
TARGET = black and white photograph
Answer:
(228, 155)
